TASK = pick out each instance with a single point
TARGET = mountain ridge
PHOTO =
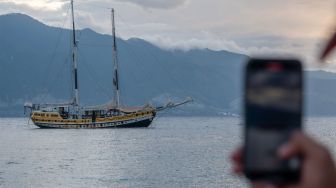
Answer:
(35, 66)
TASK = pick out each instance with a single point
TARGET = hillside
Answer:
(35, 66)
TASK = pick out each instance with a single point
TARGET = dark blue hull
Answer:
(145, 122)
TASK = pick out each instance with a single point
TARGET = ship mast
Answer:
(116, 98)
(74, 60)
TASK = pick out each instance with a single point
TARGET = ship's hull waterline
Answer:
(55, 121)
(102, 125)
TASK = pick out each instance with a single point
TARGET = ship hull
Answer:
(135, 123)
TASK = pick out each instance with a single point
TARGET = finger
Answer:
(291, 186)
(262, 185)
(237, 155)
(237, 158)
(238, 169)
(299, 144)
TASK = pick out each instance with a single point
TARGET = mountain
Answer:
(35, 66)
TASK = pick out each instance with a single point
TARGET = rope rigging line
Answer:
(128, 48)
(57, 77)
(54, 51)
(156, 59)
(97, 45)
(138, 59)
(91, 76)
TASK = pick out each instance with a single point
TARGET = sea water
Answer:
(174, 152)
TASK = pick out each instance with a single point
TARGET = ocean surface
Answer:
(174, 152)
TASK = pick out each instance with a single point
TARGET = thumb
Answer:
(299, 144)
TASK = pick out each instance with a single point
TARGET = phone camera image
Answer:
(273, 110)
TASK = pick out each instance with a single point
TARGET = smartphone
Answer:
(273, 110)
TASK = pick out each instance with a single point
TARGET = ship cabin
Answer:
(69, 111)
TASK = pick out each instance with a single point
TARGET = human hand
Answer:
(318, 168)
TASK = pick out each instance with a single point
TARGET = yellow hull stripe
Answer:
(54, 117)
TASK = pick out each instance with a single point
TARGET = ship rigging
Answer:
(112, 115)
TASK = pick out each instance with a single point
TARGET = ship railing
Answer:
(34, 106)
(28, 106)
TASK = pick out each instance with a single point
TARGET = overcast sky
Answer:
(296, 27)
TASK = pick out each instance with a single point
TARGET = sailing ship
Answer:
(112, 115)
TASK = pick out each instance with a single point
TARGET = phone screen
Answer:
(273, 109)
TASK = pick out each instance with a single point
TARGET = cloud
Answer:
(218, 44)
(53, 14)
(269, 46)
(45, 5)
(157, 4)
(249, 27)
